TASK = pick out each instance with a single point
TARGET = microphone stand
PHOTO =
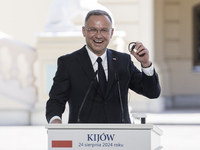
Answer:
(79, 112)
(120, 96)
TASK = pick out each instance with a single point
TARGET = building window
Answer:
(196, 32)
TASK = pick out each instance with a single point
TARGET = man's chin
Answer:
(99, 51)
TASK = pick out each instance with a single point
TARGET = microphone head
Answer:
(116, 76)
(95, 75)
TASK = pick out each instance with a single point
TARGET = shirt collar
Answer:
(94, 57)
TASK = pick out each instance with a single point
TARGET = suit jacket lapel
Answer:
(112, 60)
(86, 64)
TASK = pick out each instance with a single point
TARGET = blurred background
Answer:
(33, 34)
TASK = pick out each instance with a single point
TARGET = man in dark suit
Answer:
(106, 100)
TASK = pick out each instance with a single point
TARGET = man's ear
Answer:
(83, 31)
(112, 32)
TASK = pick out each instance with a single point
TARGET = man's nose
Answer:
(98, 33)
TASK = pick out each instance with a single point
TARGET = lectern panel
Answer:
(97, 137)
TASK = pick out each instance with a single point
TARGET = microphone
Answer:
(120, 96)
(88, 90)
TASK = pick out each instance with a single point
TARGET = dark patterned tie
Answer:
(101, 76)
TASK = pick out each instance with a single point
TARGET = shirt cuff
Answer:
(53, 118)
(148, 71)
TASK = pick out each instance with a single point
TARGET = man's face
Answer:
(97, 32)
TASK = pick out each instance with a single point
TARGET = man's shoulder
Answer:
(72, 54)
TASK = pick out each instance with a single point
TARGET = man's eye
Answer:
(93, 30)
(104, 30)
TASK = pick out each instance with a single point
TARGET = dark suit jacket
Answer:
(73, 77)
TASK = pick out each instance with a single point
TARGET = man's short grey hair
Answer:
(97, 13)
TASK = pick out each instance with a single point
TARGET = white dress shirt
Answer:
(93, 58)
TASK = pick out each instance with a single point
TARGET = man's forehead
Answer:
(99, 20)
